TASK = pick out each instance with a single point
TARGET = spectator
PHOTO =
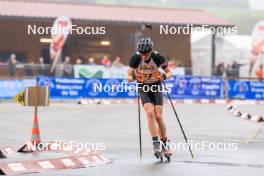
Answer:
(67, 67)
(229, 71)
(172, 64)
(220, 69)
(12, 62)
(1, 62)
(235, 68)
(117, 62)
(29, 68)
(41, 66)
(106, 61)
(78, 61)
(260, 72)
(91, 61)
(173, 67)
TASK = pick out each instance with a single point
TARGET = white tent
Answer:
(228, 49)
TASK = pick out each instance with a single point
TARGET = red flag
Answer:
(257, 44)
(60, 30)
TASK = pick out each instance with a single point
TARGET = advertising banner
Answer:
(257, 47)
(179, 87)
(88, 88)
(246, 89)
(197, 87)
(10, 88)
(99, 71)
(61, 28)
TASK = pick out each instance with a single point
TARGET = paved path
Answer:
(117, 127)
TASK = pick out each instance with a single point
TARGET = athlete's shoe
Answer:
(166, 149)
(158, 150)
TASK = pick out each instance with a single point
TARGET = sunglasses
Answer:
(145, 53)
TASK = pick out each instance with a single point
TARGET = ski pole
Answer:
(186, 140)
(139, 127)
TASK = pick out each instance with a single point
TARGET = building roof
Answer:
(94, 12)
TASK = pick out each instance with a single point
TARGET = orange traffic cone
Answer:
(35, 135)
(31, 146)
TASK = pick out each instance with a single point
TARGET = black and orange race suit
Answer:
(148, 75)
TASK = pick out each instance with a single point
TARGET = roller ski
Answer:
(166, 150)
(158, 151)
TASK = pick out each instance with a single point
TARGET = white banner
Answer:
(99, 71)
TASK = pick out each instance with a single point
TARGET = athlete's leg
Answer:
(158, 105)
(162, 129)
(147, 101)
(153, 129)
(160, 121)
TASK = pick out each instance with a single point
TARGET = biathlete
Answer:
(144, 68)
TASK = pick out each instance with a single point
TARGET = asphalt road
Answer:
(116, 126)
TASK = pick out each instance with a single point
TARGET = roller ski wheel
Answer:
(159, 155)
(157, 151)
(167, 154)
(166, 150)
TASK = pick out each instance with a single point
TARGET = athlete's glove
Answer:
(163, 76)
(135, 75)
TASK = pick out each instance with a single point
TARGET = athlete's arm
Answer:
(133, 64)
(130, 75)
(164, 65)
(168, 72)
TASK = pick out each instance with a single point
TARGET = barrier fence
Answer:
(68, 70)
(180, 87)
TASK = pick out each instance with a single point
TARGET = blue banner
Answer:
(179, 87)
(246, 90)
(88, 88)
(195, 87)
(9, 88)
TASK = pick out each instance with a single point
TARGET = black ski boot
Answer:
(166, 149)
(157, 150)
